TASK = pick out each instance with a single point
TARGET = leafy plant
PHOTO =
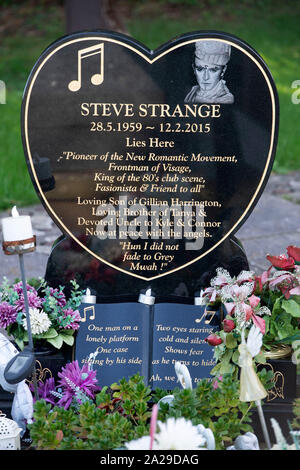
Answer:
(134, 396)
(215, 405)
(89, 428)
(53, 317)
(270, 301)
(117, 415)
(121, 412)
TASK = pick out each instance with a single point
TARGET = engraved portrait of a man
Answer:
(209, 65)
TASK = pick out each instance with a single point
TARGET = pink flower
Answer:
(59, 296)
(229, 307)
(254, 301)
(8, 314)
(74, 319)
(19, 288)
(34, 301)
(265, 276)
(210, 293)
(154, 414)
(259, 322)
(216, 382)
(295, 291)
(72, 378)
(285, 283)
(244, 305)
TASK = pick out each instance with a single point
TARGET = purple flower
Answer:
(72, 377)
(74, 320)
(44, 390)
(8, 314)
(34, 301)
(19, 288)
(59, 296)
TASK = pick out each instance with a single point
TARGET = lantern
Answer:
(9, 434)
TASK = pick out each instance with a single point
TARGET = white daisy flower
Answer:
(139, 444)
(39, 321)
(174, 434)
(178, 434)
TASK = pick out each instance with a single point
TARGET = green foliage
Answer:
(121, 413)
(61, 312)
(271, 27)
(281, 327)
(30, 30)
(283, 322)
(90, 428)
(134, 396)
(35, 282)
(118, 415)
(218, 408)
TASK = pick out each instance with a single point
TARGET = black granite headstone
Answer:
(156, 158)
(149, 162)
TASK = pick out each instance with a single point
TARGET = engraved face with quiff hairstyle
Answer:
(207, 75)
(210, 63)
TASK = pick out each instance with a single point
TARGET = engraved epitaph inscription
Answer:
(157, 157)
(119, 340)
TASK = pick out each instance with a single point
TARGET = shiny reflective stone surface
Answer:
(149, 161)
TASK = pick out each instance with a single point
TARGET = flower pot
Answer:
(44, 349)
(49, 361)
(279, 351)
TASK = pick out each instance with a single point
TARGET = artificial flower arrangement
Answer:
(75, 413)
(54, 318)
(270, 301)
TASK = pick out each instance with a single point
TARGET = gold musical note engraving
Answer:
(97, 78)
(207, 321)
(88, 309)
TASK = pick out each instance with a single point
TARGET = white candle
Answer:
(147, 298)
(17, 227)
(200, 300)
(88, 298)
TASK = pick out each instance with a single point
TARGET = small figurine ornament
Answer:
(251, 388)
(184, 378)
(22, 407)
(248, 441)
(183, 375)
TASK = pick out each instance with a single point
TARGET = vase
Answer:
(49, 361)
(43, 349)
(279, 351)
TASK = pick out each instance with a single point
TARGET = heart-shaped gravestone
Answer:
(149, 160)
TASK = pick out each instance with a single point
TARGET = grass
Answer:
(18, 53)
(271, 27)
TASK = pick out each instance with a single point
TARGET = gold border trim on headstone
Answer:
(150, 61)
